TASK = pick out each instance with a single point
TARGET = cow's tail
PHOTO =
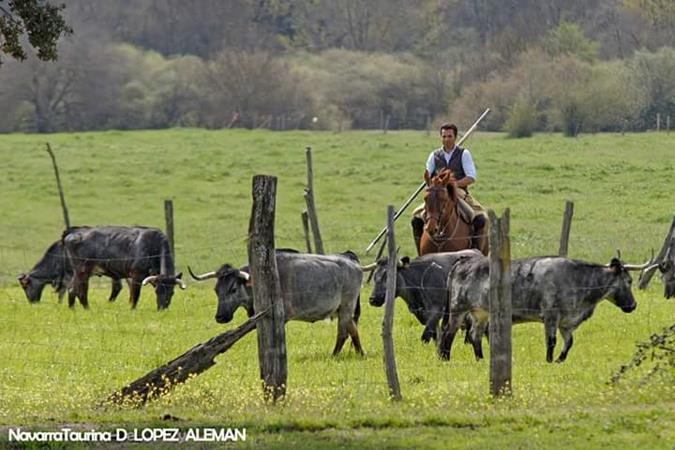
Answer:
(357, 310)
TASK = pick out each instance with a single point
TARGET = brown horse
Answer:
(444, 229)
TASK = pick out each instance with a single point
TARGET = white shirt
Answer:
(467, 162)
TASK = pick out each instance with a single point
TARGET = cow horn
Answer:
(181, 283)
(369, 267)
(244, 275)
(637, 267)
(149, 279)
(202, 277)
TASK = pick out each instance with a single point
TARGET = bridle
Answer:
(438, 218)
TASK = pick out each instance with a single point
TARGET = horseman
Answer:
(458, 160)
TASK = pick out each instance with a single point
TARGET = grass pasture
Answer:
(58, 364)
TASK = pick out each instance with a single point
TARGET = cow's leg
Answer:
(448, 335)
(431, 325)
(477, 332)
(550, 327)
(134, 290)
(354, 333)
(116, 288)
(341, 336)
(83, 291)
(567, 344)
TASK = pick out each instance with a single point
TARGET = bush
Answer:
(522, 119)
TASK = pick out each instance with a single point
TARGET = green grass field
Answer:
(58, 364)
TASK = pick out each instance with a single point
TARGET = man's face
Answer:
(448, 138)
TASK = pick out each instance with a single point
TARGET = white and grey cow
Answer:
(559, 292)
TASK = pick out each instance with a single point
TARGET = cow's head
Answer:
(619, 291)
(164, 285)
(232, 289)
(667, 269)
(377, 297)
(32, 286)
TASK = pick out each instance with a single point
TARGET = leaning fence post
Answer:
(168, 216)
(266, 288)
(305, 228)
(566, 226)
(388, 321)
(309, 199)
(66, 217)
(500, 305)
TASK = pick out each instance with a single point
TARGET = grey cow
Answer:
(560, 292)
(421, 283)
(314, 287)
(54, 268)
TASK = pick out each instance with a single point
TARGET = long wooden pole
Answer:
(66, 218)
(421, 186)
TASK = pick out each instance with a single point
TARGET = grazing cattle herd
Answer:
(451, 287)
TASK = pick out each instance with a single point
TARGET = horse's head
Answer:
(439, 199)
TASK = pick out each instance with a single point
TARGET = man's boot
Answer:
(478, 226)
(418, 230)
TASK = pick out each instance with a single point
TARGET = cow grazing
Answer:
(139, 253)
(421, 283)
(313, 287)
(54, 268)
(561, 293)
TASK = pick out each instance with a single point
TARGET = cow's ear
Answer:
(427, 177)
(615, 265)
(405, 261)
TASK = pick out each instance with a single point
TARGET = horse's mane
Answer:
(445, 178)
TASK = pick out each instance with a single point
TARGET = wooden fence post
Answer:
(309, 199)
(305, 228)
(388, 321)
(66, 217)
(168, 216)
(266, 288)
(646, 276)
(566, 226)
(500, 305)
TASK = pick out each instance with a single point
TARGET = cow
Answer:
(421, 283)
(313, 287)
(141, 254)
(54, 268)
(559, 292)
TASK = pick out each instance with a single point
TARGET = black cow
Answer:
(139, 253)
(54, 268)
(313, 287)
(560, 292)
(421, 283)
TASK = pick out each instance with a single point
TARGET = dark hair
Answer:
(448, 126)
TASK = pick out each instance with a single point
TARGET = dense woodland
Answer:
(562, 65)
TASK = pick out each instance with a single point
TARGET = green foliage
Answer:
(59, 364)
(567, 39)
(42, 22)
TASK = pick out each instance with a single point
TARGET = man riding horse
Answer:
(458, 160)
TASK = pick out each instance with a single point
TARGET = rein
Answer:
(443, 225)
